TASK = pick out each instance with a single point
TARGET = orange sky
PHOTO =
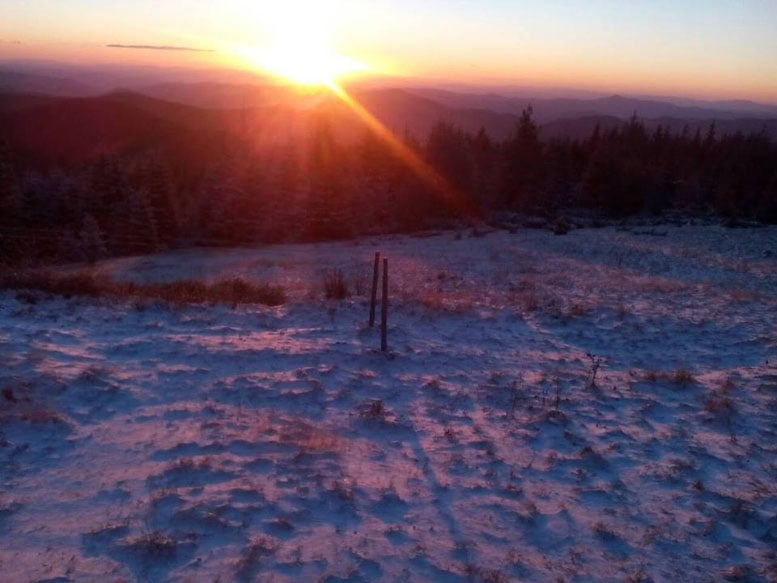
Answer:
(715, 49)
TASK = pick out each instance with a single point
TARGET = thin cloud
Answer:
(159, 48)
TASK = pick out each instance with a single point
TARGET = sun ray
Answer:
(420, 167)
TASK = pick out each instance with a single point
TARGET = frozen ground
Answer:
(141, 442)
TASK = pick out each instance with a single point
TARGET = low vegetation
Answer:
(682, 377)
(232, 291)
(335, 285)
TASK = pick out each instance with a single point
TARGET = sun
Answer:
(298, 43)
(303, 62)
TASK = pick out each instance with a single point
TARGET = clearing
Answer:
(592, 407)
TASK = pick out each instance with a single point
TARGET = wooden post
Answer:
(374, 297)
(384, 309)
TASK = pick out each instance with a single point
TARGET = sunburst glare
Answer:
(301, 44)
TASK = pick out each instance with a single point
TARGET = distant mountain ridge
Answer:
(192, 117)
(547, 110)
(223, 89)
(12, 81)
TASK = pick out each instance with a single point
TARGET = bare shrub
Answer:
(596, 363)
(335, 284)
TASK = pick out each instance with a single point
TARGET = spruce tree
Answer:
(523, 171)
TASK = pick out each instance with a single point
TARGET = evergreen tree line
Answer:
(322, 189)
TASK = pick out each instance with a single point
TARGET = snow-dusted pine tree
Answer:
(142, 233)
(92, 241)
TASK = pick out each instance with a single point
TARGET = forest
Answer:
(150, 198)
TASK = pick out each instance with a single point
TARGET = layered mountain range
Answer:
(59, 116)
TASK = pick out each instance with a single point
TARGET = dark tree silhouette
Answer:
(523, 166)
(314, 187)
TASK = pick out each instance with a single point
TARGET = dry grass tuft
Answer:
(719, 403)
(42, 416)
(604, 531)
(446, 303)
(374, 409)
(682, 377)
(719, 406)
(260, 548)
(335, 284)
(485, 575)
(154, 545)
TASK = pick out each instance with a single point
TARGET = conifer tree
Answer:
(92, 240)
(142, 230)
(157, 179)
(10, 203)
(328, 205)
(523, 165)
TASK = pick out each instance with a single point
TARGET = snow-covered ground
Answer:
(152, 443)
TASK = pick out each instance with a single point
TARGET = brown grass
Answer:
(448, 303)
(373, 410)
(253, 556)
(154, 545)
(335, 284)
(682, 377)
(720, 406)
(41, 416)
(83, 283)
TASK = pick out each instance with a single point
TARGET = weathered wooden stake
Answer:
(374, 297)
(384, 309)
